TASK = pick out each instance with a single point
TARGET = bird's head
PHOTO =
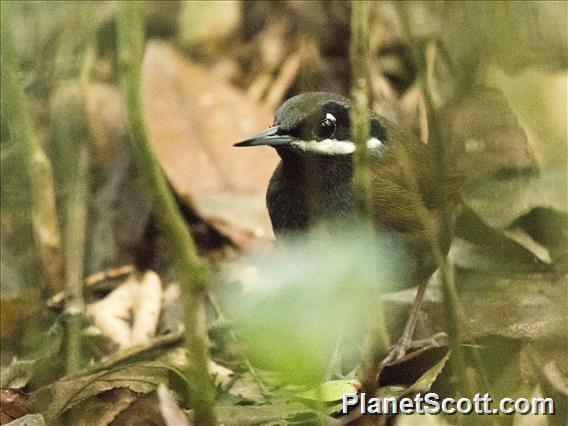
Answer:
(315, 123)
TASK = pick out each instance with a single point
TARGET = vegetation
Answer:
(141, 283)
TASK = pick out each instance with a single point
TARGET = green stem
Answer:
(192, 272)
(38, 167)
(451, 305)
(378, 342)
(360, 110)
(75, 256)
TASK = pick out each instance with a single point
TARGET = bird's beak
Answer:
(268, 137)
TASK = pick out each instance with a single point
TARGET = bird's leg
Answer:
(405, 341)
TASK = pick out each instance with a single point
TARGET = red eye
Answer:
(326, 128)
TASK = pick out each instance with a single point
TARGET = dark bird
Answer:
(314, 178)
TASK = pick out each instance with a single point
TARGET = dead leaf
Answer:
(247, 388)
(171, 412)
(103, 408)
(105, 119)
(223, 376)
(193, 120)
(65, 393)
(282, 413)
(485, 137)
(144, 411)
(500, 202)
(28, 420)
(425, 382)
(17, 374)
(129, 314)
(554, 376)
(14, 404)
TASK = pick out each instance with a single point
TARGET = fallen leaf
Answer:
(14, 405)
(193, 119)
(247, 388)
(499, 202)
(281, 414)
(28, 420)
(103, 408)
(171, 412)
(425, 382)
(129, 314)
(17, 374)
(65, 393)
(485, 137)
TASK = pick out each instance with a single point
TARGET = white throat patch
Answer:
(333, 146)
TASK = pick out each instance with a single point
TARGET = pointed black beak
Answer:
(268, 137)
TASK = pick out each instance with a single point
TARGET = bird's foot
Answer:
(402, 347)
(438, 339)
(397, 351)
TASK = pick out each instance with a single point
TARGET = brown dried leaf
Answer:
(103, 408)
(15, 404)
(172, 414)
(486, 137)
(193, 119)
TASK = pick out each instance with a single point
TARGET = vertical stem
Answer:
(360, 111)
(378, 342)
(192, 272)
(76, 210)
(451, 304)
(74, 158)
(44, 216)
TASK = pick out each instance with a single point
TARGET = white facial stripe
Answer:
(330, 117)
(333, 146)
(327, 146)
(374, 143)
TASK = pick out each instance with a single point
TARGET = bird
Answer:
(314, 178)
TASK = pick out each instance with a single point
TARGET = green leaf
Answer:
(330, 391)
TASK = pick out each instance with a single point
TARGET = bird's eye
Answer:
(326, 128)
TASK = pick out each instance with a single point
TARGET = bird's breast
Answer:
(298, 196)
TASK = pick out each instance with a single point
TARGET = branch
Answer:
(192, 272)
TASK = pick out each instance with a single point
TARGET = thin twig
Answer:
(192, 272)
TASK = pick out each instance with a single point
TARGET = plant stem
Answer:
(378, 342)
(192, 272)
(360, 111)
(75, 235)
(451, 305)
(43, 209)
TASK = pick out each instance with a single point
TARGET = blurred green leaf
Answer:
(308, 291)
(330, 391)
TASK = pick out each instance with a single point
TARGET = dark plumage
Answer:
(313, 181)
(319, 183)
